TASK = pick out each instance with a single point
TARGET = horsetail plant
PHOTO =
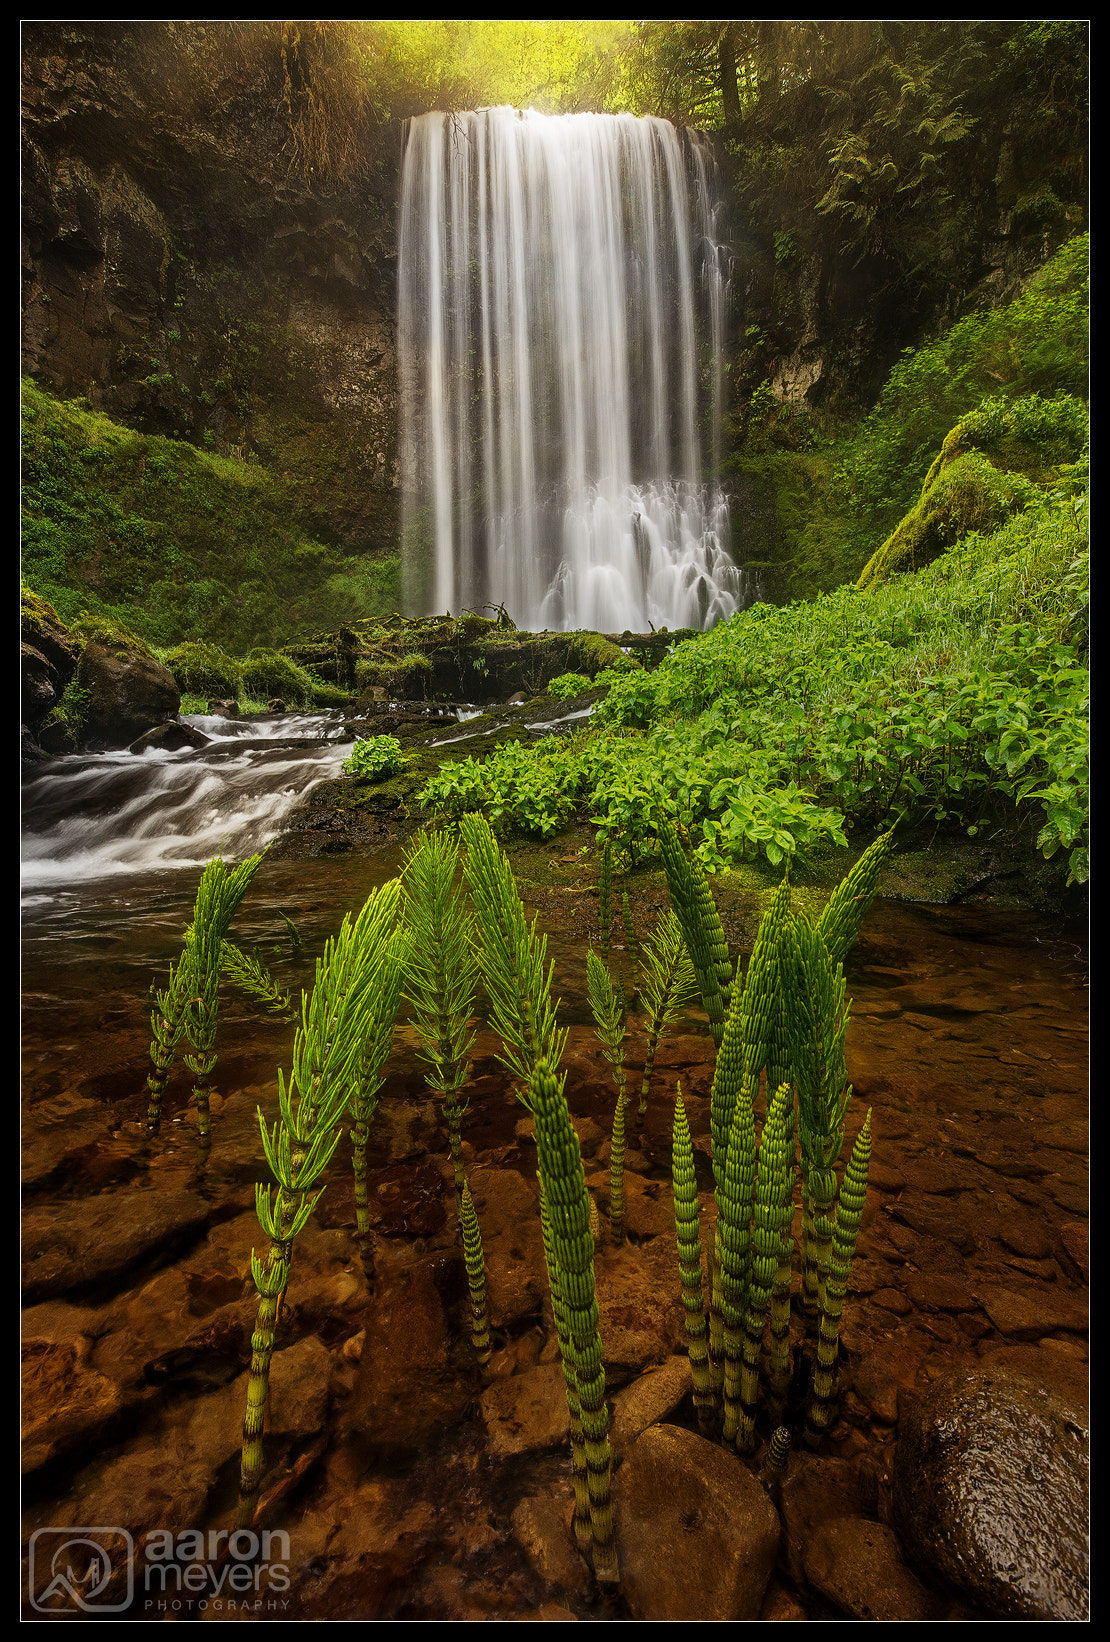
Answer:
(476, 1279)
(571, 1265)
(688, 1237)
(607, 1007)
(667, 985)
(188, 1007)
(773, 1209)
(701, 927)
(302, 1142)
(605, 894)
(441, 978)
(583, 1531)
(511, 959)
(853, 1195)
(251, 976)
(377, 1040)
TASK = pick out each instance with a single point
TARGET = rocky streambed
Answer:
(401, 1487)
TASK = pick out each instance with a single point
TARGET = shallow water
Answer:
(967, 1041)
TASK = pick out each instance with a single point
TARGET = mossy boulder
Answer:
(49, 655)
(992, 464)
(129, 692)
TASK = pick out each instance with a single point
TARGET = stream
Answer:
(405, 1490)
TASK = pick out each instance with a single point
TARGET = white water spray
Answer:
(561, 329)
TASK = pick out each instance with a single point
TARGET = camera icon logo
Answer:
(77, 1568)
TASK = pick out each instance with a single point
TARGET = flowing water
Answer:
(564, 289)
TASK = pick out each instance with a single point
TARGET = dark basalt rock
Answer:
(990, 1493)
(129, 693)
(169, 738)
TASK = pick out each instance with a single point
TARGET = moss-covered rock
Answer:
(991, 465)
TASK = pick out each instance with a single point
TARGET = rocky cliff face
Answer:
(185, 278)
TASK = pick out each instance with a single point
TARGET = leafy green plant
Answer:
(375, 758)
(787, 1022)
(327, 1054)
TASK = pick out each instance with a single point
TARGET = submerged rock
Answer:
(697, 1536)
(990, 1492)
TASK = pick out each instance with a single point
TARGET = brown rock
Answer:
(990, 1492)
(814, 1490)
(857, 1565)
(649, 1400)
(508, 1212)
(883, 1376)
(1076, 1238)
(67, 1245)
(299, 1381)
(129, 693)
(528, 1411)
(939, 1292)
(412, 1380)
(1027, 1316)
(696, 1534)
(64, 1401)
(541, 1528)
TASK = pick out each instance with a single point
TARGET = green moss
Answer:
(964, 492)
(204, 671)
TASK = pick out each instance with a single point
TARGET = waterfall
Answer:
(561, 327)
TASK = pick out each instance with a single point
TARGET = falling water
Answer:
(561, 325)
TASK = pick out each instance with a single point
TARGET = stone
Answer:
(543, 1532)
(169, 738)
(1028, 1315)
(72, 1244)
(1076, 1238)
(300, 1378)
(413, 1380)
(696, 1534)
(129, 693)
(816, 1489)
(508, 1213)
(64, 1401)
(991, 1493)
(648, 1400)
(857, 1565)
(528, 1411)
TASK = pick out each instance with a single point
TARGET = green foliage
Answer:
(568, 685)
(375, 758)
(958, 693)
(267, 673)
(169, 541)
(204, 670)
(1009, 382)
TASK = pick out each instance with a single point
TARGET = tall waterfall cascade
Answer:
(561, 324)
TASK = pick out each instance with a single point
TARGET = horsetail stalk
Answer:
(734, 1215)
(667, 984)
(607, 1007)
(772, 1212)
(568, 1208)
(511, 959)
(218, 899)
(441, 978)
(251, 976)
(817, 1023)
(167, 1023)
(311, 1105)
(377, 1039)
(701, 927)
(188, 1006)
(605, 894)
(842, 919)
(688, 1237)
(583, 1532)
(853, 1196)
(476, 1279)
(626, 919)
